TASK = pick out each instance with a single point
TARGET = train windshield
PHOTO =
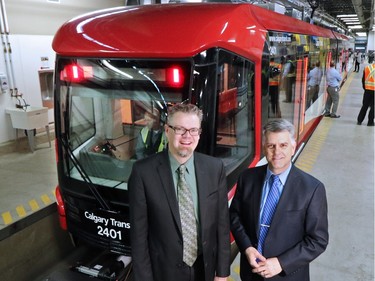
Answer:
(113, 112)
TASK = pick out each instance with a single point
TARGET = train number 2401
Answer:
(109, 232)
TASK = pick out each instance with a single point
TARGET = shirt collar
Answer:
(283, 176)
(175, 165)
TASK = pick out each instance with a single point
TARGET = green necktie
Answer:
(188, 222)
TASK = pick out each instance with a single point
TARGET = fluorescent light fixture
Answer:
(355, 26)
(351, 19)
(347, 16)
(361, 34)
(353, 23)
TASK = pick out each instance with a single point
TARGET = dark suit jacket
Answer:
(156, 237)
(299, 229)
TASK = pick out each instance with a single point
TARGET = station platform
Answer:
(340, 154)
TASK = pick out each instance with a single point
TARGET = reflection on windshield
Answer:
(116, 112)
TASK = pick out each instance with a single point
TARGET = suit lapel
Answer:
(166, 178)
(202, 183)
(288, 191)
(257, 198)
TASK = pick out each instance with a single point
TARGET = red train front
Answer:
(116, 66)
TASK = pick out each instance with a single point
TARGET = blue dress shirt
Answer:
(333, 77)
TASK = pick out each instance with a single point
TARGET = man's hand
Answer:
(254, 257)
(268, 268)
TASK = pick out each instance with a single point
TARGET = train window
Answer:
(297, 71)
(285, 50)
(82, 119)
(112, 113)
(316, 70)
(292, 57)
(235, 135)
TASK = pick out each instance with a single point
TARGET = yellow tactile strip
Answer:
(32, 205)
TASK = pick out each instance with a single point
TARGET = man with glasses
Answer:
(179, 208)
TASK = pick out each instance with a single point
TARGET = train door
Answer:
(232, 106)
(300, 93)
(236, 122)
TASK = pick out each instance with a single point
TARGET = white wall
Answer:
(39, 17)
(32, 24)
(26, 53)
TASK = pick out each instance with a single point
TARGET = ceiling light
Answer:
(356, 27)
(351, 19)
(361, 34)
(346, 16)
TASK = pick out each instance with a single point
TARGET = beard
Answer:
(184, 152)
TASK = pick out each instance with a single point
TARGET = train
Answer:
(115, 65)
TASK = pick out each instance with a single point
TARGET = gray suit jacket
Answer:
(299, 229)
(156, 237)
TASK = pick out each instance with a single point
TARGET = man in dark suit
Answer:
(298, 230)
(157, 229)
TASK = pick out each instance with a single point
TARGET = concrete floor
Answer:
(340, 154)
(28, 180)
(345, 165)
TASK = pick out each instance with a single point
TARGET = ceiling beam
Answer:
(357, 4)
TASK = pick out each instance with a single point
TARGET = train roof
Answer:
(159, 30)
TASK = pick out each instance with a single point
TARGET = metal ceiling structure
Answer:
(326, 12)
(321, 12)
(364, 9)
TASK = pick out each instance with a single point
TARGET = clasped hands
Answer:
(266, 268)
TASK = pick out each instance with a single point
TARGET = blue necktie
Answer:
(268, 210)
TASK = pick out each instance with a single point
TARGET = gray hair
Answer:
(279, 125)
(185, 108)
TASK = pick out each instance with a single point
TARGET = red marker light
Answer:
(175, 77)
(76, 73)
(60, 208)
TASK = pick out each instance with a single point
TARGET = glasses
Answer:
(182, 131)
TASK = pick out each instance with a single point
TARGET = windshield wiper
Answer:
(85, 176)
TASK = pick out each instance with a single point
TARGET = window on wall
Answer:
(235, 134)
